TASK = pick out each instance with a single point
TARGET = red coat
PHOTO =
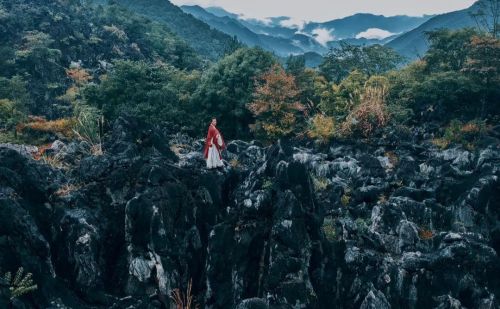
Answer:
(212, 139)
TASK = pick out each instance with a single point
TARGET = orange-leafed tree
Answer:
(276, 106)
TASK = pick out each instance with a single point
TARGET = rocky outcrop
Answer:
(382, 225)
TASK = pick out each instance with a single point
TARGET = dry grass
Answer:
(67, 189)
(322, 128)
(425, 234)
(369, 115)
(393, 158)
(320, 184)
(63, 126)
(440, 142)
(54, 162)
(184, 300)
(234, 163)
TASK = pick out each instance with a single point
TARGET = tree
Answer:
(276, 106)
(487, 17)
(483, 65)
(370, 60)
(154, 93)
(448, 49)
(226, 89)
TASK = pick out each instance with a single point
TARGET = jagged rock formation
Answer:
(284, 226)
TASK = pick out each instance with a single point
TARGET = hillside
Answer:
(203, 39)
(414, 44)
(40, 41)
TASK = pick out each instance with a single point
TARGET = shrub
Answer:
(468, 134)
(320, 184)
(321, 128)
(368, 116)
(328, 228)
(88, 126)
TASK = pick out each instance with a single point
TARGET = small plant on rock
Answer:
(345, 199)
(425, 234)
(321, 128)
(320, 184)
(329, 229)
(184, 300)
(20, 284)
(267, 184)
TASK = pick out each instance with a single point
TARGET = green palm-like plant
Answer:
(21, 284)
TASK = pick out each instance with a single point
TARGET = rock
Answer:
(375, 300)
(283, 226)
(253, 303)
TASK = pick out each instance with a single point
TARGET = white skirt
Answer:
(213, 159)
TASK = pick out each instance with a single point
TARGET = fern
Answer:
(21, 284)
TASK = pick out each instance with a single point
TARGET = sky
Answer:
(324, 10)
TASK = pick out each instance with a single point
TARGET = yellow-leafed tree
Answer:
(276, 106)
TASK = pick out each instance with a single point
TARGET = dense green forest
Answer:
(69, 68)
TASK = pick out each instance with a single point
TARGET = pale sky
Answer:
(324, 10)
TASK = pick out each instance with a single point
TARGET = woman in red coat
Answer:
(213, 146)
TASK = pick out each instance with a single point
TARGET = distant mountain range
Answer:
(413, 44)
(285, 36)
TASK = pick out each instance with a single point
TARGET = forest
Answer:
(70, 68)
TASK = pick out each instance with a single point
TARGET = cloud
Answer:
(294, 23)
(374, 33)
(265, 21)
(323, 35)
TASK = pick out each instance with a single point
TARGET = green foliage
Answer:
(153, 93)
(267, 184)
(226, 89)
(38, 42)
(14, 102)
(344, 96)
(466, 133)
(370, 60)
(88, 126)
(329, 229)
(448, 49)
(20, 284)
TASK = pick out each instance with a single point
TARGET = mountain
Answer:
(413, 43)
(207, 41)
(279, 44)
(226, 24)
(352, 26)
(284, 36)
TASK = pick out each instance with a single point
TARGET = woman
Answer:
(213, 146)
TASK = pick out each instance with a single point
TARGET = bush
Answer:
(368, 116)
(466, 133)
(276, 106)
(321, 128)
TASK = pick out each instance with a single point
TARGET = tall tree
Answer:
(371, 60)
(276, 106)
(226, 89)
(487, 17)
